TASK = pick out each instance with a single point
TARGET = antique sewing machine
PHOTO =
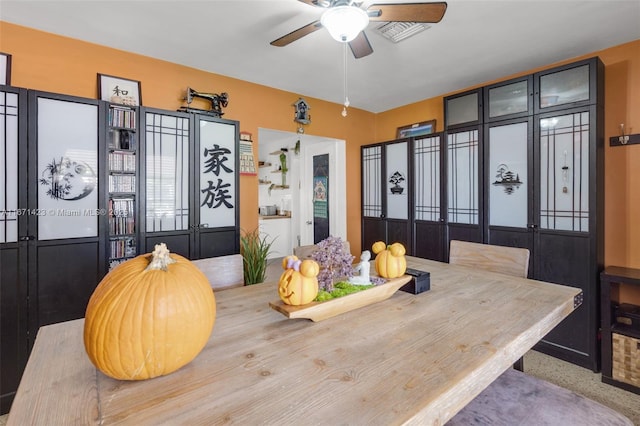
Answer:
(218, 101)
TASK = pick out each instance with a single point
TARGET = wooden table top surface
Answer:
(411, 359)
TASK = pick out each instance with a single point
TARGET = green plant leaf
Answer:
(255, 249)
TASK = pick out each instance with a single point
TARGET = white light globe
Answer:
(344, 23)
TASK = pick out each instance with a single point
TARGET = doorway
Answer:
(303, 226)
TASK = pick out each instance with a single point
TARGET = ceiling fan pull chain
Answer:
(345, 85)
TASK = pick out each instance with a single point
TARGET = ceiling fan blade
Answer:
(407, 12)
(360, 46)
(318, 3)
(297, 34)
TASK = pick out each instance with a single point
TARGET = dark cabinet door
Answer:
(386, 194)
(216, 213)
(464, 181)
(67, 201)
(14, 343)
(508, 188)
(428, 208)
(568, 206)
(190, 183)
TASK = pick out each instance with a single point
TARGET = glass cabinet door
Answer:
(463, 109)
(569, 86)
(167, 172)
(564, 172)
(509, 99)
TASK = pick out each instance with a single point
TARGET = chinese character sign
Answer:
(217, 174)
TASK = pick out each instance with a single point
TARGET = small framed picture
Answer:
(417, 129)
(119, 90)
(5, 69)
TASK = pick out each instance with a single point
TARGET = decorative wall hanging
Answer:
(5, 68)
(509, 180)
(217, 100)
(302, 112)
(119, 90)
(396, 179)
(417, 129)
(247, 163)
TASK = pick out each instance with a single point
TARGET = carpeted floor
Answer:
(583, 382)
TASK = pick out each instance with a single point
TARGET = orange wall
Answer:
(48, 62)
(52, 63)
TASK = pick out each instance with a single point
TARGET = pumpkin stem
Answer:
(160, 258)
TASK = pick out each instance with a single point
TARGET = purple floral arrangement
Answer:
(335, 263)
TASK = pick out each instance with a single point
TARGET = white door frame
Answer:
(337, 187)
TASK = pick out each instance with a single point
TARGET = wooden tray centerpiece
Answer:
(318, 311)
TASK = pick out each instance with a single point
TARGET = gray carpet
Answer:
(583, 382)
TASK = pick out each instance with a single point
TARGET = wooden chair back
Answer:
(304, 252)
(223, 271)
(507, 260)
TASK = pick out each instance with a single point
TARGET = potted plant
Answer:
(254, 249)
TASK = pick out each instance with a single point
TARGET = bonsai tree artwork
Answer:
(335, 262)
(396, 179)
(509, 180)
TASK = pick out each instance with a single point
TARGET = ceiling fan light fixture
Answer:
(344, 23)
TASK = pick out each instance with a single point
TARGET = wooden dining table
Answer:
(410, 359)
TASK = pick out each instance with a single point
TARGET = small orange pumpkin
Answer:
(390, 261)
(298, 283)
(149, 316)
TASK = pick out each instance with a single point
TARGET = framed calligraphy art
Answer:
(119, 90)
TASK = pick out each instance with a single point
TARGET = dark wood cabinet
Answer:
(52, 246)
(83, 190)
(620, 333)
(190, 183)
(386, 194)
(520, 164)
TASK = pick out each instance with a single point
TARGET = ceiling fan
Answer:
(346, 20)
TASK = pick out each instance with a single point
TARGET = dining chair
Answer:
(304, 252)
(507, 260)
(223, 272)
(516, 397)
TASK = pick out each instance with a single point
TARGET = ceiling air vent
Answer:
(397, 31)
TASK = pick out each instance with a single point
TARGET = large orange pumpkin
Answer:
(149, 316)
(298, 283)
(390, 261)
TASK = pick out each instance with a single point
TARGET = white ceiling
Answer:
(476, 41)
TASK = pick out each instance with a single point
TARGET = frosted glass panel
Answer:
(217, 174)
(167, 166)
(508, 99)
(508, 175)
(372, 181)
(564, 87)
(463, 109)
(462, 177)
(397, 172)
(564, 172)
(67, 170)
(8, 167)
(427, 178)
